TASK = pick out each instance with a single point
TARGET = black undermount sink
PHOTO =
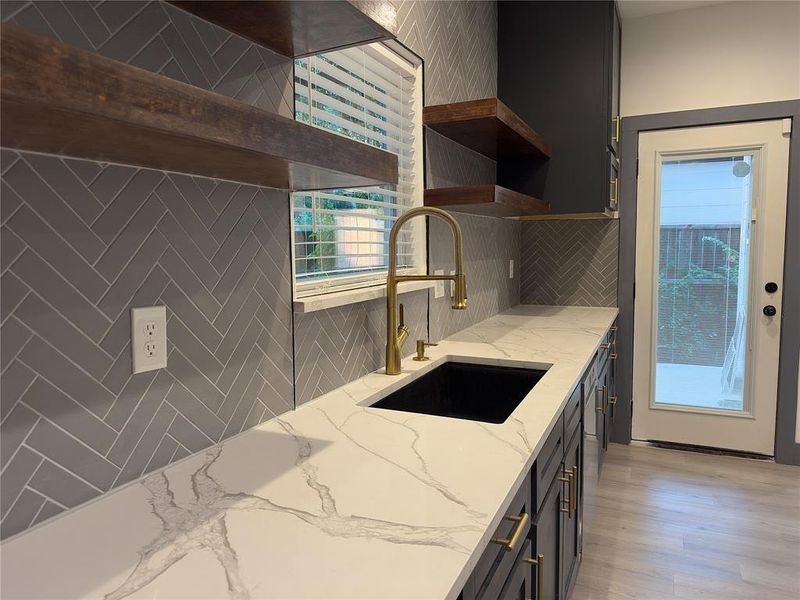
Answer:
(465, 391)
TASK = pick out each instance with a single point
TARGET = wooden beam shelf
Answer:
(298, 28)
(487, 126)
(59, 99)
(490, 200)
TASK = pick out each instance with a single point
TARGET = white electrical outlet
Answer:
(511, 268)
(149, 338)
(438, 290)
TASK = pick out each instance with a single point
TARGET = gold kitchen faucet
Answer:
(396, 335)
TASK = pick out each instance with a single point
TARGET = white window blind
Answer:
(370, 94)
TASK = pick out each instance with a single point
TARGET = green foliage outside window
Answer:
(697, 308)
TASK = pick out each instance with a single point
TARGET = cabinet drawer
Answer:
(572, 414)
(497, 561)
(548, 463)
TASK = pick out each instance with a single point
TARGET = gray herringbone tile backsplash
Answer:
(458, 41)
(488, 246)
(570, 262)
(83, 242)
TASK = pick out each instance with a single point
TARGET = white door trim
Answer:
(738, 430)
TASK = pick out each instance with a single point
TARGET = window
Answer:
(374, 95)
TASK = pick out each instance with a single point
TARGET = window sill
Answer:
(333, 299)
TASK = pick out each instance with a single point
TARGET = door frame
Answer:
(787, 450)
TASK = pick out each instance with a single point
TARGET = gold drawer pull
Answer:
(602, 407)
(573, 492)
(613, 356)
(511, 542)
(538, 562)
(612, 400)
(570, 479)
(605, 346)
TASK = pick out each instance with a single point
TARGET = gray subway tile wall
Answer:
(68, 394)
(489, 244)
(570, 262)
(83, 241)
(458, 41)
(341, 344)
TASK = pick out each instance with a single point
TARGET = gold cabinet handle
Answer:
(612, 400)
(602, 390)
(568, 501)
(573, 492)
(613, 356)
(613, 199)
(511, 542)
(613, 328)
(569, 479)
(538, 562)
(605, 345)
(617, 121)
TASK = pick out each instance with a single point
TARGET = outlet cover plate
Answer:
(148, 338)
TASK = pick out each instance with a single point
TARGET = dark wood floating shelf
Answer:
(490, 200)
(487, 126)
(59, 99)
(299, 28)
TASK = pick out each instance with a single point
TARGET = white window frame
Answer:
(350, 288)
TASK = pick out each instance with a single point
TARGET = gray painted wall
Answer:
(82, 242)
(570, 262)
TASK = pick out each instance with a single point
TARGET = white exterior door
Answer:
(710, 232)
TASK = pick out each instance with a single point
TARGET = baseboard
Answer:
(702, 449)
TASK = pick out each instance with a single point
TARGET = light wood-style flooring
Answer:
(670, 524)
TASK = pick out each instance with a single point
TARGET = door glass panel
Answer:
(702, 317)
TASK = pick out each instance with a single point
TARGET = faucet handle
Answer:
(401, 318)
(421, 350)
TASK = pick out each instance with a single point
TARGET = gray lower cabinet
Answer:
(536, 549)
(548, 533)
(573, 531)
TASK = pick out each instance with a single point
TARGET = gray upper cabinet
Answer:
(558, 69)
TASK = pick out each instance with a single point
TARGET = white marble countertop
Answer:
(333, 500)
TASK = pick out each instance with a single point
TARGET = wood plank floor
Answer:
(671, 524)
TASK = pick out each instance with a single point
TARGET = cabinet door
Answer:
(547, 543)
(519, 583)
(571, 545)
(614, 61)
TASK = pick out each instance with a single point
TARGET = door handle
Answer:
(770, 310)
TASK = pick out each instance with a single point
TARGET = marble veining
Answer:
(375, 503)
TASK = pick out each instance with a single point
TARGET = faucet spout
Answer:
(396, 335)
